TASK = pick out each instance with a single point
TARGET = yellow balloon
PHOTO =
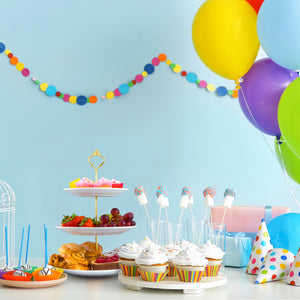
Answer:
(225, 38)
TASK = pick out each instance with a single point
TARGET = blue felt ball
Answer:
(81, 100)
(149, 68)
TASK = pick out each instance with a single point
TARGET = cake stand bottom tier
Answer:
(173, 283)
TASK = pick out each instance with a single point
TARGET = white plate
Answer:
(173, 283)
(34, 284)
(92, 192)
(95, 230)
(91, 273)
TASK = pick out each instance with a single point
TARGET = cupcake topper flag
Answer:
(209, 194)
(228, 200)
(163, 201)
(142, 198)
(186, 195)
(21, 248)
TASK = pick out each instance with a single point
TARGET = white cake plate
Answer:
(173, 283)
(95, 230)
(92, 273)
(93, 192)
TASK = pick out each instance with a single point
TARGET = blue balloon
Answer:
(278, 24)
(284, 232)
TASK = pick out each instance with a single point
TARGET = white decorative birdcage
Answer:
(7, 219)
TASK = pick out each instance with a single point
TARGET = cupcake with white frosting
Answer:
(152, 264)
(146, 243)
(214, 255)
(184, 244)
(171, 251)
(190, 264)
(127, 255)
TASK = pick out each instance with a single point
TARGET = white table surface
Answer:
(239, 286)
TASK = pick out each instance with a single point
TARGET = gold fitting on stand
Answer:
(96, 153)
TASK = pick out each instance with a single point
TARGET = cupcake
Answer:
(84, 183)
(146, 243)
(171, 250)
(152, 264)
(214, 256)
(127, 255)
(184, 244)
(190, 264)
(103, 182)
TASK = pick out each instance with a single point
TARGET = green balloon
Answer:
(288, 160)
(289, 115)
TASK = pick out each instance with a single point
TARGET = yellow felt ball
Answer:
(73, 99)
(43, 86)
(110, 95)
(210, 87)
(225, 37)
(20, 66)
(144, 73)
(177, 69)
(7, 51)
(168, 62)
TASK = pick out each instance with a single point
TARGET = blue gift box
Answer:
(238, 248)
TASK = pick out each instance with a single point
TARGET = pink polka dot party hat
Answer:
(260, 248)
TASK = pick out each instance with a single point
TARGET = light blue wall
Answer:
(165, 131)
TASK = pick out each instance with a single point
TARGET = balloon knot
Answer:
(278, 138)
(238, 82)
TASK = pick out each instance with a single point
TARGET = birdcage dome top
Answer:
(7, 197)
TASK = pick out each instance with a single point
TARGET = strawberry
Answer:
(71, 221)
(86, 222)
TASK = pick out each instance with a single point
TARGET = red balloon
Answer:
(256, 4)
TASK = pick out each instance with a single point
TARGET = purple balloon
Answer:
(260, 93)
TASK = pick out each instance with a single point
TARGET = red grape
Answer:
(104, 219)
(115, 211)
(112, 224)
(132, 223)
(121, 223)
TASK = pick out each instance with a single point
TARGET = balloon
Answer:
(256, 4)
(261, 90)
(225, 38)
(289, 116)
(284, 231)
(289, 160)
(278, 24)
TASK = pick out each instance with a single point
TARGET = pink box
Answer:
(246, 218)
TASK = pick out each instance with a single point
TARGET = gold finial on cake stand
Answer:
(96, 153)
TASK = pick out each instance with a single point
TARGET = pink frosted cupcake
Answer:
(127, 255)
(171, 250)
(214, 255)
(152, 264)
(103, 182)
(190, 265)
(84, 183)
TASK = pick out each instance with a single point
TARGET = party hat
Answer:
(293, 277)
(275, 266)
(260, 248)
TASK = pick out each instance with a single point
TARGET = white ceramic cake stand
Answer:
(173, 283)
